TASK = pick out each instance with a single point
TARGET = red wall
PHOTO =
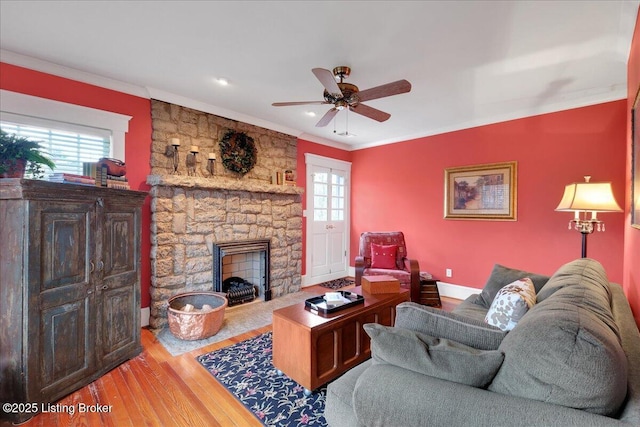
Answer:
(401, 187)
(301, 178)
(138, 139)
(631, 280)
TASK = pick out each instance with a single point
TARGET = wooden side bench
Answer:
(429, 294)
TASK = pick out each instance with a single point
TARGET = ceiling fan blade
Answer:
(328, 81)
(370, 112)
(286, 104)
(395, 88)
(326, 119)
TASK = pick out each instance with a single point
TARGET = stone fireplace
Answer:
(193, 218)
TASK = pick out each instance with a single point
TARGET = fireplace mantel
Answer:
(221, 183)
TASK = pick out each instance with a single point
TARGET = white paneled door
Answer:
(327, 216)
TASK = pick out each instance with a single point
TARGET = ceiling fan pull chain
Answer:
(346, 132)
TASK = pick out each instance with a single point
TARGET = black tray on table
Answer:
(318, 305)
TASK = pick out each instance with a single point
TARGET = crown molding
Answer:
(583, 99)
(71, 73)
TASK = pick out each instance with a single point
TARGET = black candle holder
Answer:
(211, 166)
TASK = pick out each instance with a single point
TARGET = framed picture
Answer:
(635, 162)
(288, 178)
(481, 192)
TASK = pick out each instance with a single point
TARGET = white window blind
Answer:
(67, 149)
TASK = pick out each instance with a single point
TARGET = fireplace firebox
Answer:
(255, 268)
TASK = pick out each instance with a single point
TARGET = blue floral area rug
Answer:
(246, 370)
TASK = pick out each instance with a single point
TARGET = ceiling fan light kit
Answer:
(347, 96)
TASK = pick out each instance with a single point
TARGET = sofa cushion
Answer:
(383, 256)
(501, 276)
(338, 409)
(439, 358)
(443, 324)
(567, 350)
(589, 272)
(469, 308)
(511, 303)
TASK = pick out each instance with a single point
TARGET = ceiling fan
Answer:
(346, 95)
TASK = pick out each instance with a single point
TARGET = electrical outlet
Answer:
(448, 272)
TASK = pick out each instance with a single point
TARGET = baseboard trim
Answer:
(145, 313)
(451, 290)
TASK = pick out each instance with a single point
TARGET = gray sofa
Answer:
(572, 360)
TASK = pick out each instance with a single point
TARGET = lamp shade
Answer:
(588, 196)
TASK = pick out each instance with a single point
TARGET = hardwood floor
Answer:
(157, 389)
(448, 304)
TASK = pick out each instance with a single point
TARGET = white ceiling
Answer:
(469, 62)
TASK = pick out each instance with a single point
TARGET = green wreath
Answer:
(238, 152)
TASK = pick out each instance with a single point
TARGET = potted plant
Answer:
(19, 155)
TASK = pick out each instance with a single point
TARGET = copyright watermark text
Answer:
(34, 408)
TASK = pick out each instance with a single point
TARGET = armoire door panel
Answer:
(64, 248)
(64, 340)
(118, 247)
(118, 327)
(118, 324)
(60, 285)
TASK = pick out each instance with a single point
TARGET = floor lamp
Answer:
(585, 200)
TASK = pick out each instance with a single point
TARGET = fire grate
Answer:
(238, 290)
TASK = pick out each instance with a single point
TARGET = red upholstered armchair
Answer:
(388, 256)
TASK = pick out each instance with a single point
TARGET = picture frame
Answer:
(289, 178)
(635, 162)
(481, 192)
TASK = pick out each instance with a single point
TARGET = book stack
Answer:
(89, 169)
(69, 178)
(102, 178)
(119, 182)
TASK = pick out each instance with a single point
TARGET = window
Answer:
(71, 134)
(328, 198)
(68, 150)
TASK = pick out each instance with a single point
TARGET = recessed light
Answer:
(310, 113)
(222, 81)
